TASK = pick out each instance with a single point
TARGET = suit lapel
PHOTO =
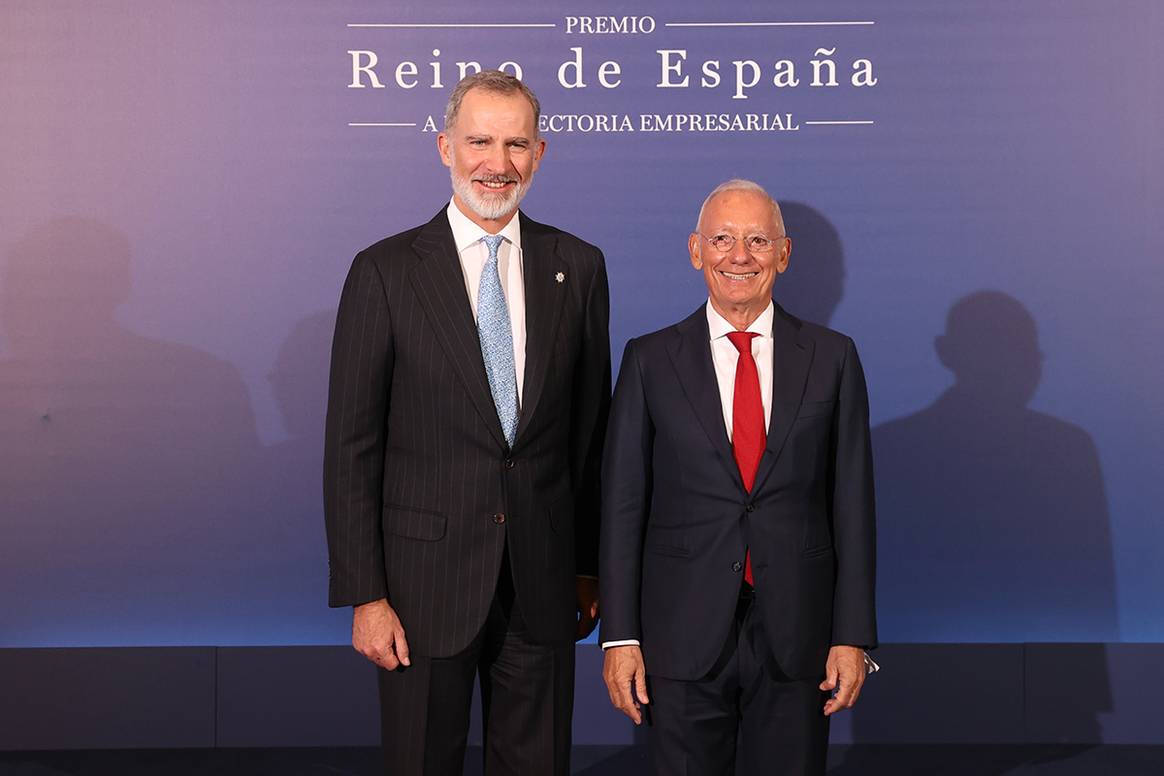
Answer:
(791, 358)
(544, 298)
(691, 357)
(440, 285)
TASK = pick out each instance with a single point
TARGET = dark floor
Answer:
(863, 760)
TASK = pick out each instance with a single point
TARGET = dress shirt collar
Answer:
(465, 232)
(718, 326)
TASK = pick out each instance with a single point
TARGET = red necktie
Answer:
(748, 436)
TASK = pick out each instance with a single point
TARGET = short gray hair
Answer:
(739, 184)
(495, 81)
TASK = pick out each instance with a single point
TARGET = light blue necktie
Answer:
(494, 328)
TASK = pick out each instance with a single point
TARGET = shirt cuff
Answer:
(870, 666)
(623, 643)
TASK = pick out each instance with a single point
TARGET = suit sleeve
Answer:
(353, 458)
(591, 403)
(626, 501)
(854, 538)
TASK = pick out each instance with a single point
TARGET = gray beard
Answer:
(491, 207)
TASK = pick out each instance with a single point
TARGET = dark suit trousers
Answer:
(778, 724)
(527, 696)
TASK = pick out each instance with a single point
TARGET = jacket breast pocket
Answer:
(817, 552)
(414, 523)
(670, 548)
(816, 409)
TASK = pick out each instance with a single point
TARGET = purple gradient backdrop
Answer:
(182, 195)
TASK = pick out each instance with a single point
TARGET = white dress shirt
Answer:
(725, 357)
(473, 254)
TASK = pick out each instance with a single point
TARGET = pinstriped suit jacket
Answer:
(417, 473)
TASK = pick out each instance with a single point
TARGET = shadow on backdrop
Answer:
(123, 459)
(814, 283)
(992, 519)
(291, 556)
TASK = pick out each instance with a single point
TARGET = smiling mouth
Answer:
(738, 277)
(494, 185)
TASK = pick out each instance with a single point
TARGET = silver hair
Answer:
(495, 81)
(739, 184)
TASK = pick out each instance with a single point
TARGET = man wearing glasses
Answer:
(737, 544)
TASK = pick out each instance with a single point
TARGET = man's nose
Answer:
(498, 158)
(739, 252)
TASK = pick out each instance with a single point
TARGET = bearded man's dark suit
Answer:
(423, 497)
(677, 519)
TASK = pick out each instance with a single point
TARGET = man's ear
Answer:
(693, 249)
(538, 152)
(782, 261)
(444, 147)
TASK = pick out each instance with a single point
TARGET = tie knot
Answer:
(492, 242)
(742, 340)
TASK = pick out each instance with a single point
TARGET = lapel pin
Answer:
(560, 277)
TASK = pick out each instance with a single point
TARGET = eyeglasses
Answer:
(753, 243)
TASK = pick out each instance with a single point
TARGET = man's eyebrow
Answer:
(517, 139)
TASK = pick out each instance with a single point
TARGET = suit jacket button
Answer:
(750, 508)
(736, 566)
(499, 518)
(509, 463)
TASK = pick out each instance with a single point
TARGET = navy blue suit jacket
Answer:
(676, 519)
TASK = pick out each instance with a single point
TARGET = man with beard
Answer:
(470, 381)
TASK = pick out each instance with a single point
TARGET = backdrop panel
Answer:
(185, 184)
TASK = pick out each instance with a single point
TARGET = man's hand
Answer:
(378, 635)
(622, 668)
(587, 607)
(845, 673)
